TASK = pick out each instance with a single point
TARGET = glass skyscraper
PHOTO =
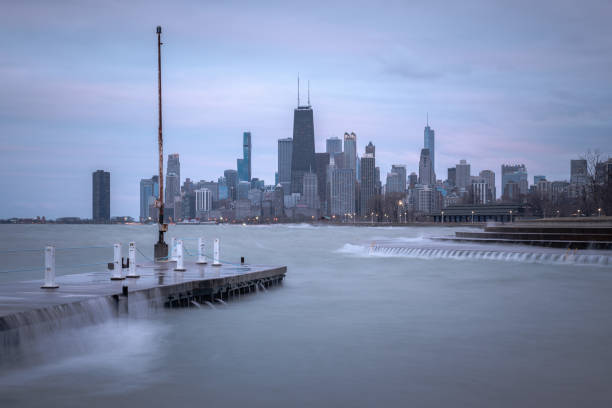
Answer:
(285, 150)
(303, 152)
(244, 164)
(430, 143)
(101, 196)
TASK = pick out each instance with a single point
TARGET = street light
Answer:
(442, 219)
(399, 214)
(510, 215)
(472, 216)
(599, 211)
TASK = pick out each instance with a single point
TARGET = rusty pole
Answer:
(161, 248)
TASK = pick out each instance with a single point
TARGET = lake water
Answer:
(345, 329)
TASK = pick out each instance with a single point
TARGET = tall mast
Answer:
(161, 248)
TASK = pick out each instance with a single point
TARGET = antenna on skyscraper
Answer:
(427, 118)
(309, 92)
(298, 89)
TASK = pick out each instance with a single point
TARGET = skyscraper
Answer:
(303, 153)
(174, 166)
(394, 184)
(489, 177)
(341, 191)
(368, 183)
(310, 193)
(333, 145)
(413, 179)
(517, 174)
(462, 175)
(149, 189)
(370, 148)
(322, 161)
(452, 176)
(578, 171)
(285, 150)
(231, 180)
(430, 143)
(401, 172)
(426, 175)
(244, 164)
(350, 152)
(101, 196)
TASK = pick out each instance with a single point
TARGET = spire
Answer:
(298, 89)
(427, 119)
(309, 92)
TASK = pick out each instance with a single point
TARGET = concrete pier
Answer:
(25, 304)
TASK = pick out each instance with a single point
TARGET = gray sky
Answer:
(503, 82)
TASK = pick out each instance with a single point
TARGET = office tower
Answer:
(101, 196)
(173, 188)
(452, 176)
(578, 169)
(517, 174)
(322, 161)
(424, 199)
(480, 192)
(310, 193)
(430, 143)
(203, 202)
(242, 192)
(370, 148)
(413, 179)
(276, 179)
(367, 183)
(377, 181)
(333, 145)
(231, 180)
(489, 177)
(149, 189)
(244, 164)
(341, 191)
(394, 184)
(212, 187)
(426, 176)
(462, 175)
(401, 171)
(537, 179)
(350, 152)
(174, 166)
(303, 152)
(285, 150)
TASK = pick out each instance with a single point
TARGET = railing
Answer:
(178, 252)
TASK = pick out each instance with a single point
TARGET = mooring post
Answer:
(216, 253)
(132, 261)
(179, 256)
(117, 273)
(201, 255)
(50, 268)
(173, 249)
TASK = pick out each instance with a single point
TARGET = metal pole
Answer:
(132, 260)
(50, 268)
(179, 256)
(117, 273)
(161, 248)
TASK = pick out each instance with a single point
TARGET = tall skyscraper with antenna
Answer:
(430, 143)
(303, 153)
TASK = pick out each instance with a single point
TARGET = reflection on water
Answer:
(345, 329)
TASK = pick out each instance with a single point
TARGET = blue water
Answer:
(345, 329)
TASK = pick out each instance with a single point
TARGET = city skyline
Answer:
(527, 109)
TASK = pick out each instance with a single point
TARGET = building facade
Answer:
(285, 151)
(101, 196)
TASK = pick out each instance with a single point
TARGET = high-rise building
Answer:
(244, 164)
(149, 189)
(333, 145)
(452, 176)
(578, 171)
(322, 161)
(394, 183)
(303, 153)
(426, 174)
(401, 171)
(310, 193)
(371, 149)
(537, 179)
(285, 150)
(430, 143)
(350, 152)
(174, 166)
(101, 196)
(203, 202)
(489, 177)
(367, 183)
(231, 180)
(516, 173)
(480, 192)
(243, 189)
(341, 191)
(173, 188)
(413, 179)
(462, 175)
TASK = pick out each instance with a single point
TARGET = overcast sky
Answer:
(503, 82)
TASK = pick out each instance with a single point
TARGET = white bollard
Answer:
(132, 259)
(173, 249)
(216, 253)
(117, 273)
(50, 268)
(201, 255)
(180, 267)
